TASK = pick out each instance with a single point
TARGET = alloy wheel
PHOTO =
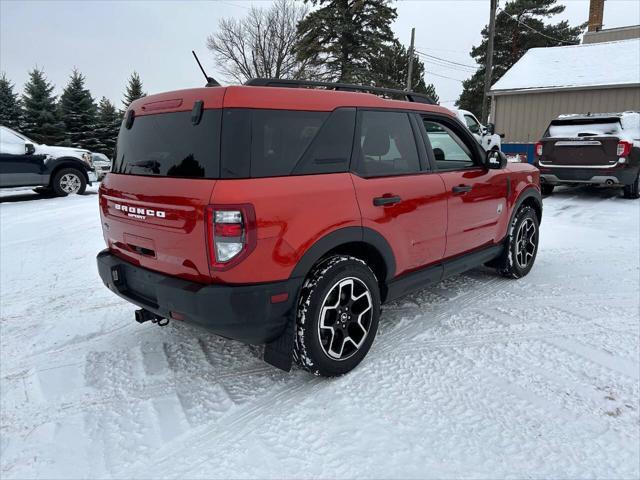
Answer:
(526, 243)
(70, 183)
(345, 318)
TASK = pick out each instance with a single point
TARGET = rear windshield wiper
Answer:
(152, 165)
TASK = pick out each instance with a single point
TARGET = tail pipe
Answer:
(143, 315)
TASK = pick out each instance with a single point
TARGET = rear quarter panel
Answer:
(523, 176)
(292, 213)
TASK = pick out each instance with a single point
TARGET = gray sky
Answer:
(107, 40)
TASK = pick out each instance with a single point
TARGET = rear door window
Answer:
(385, 145)
(170, 145)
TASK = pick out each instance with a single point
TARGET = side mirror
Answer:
(491, 128)
(29, 148)
(496, 160)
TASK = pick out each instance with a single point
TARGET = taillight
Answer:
(231, 234)
(539, 149)
(624, 148)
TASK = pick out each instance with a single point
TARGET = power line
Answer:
(442, 76)
(447, 61)
(446, 65)
(516, 19)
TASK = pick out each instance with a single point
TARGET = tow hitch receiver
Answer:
(143, 315)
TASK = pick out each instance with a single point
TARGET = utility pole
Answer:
(489, 64)
(411, 54)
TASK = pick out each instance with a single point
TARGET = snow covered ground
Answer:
(478, 377)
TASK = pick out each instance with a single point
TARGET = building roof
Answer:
(576, 66)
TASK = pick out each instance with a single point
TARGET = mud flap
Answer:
(279, 352)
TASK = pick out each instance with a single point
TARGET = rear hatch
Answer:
(581, 142)
(166, 164)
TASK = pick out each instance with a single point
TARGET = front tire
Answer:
(633, 191)
(337, 317)
(522, 244)
(68, 181)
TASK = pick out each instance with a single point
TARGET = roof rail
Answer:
(278, 82)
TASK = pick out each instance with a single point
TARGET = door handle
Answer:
(381, 201)
(461, 189)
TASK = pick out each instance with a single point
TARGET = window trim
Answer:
(463, 134)
(356, 158)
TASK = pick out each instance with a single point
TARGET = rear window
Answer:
(170, 145)
(584, 128)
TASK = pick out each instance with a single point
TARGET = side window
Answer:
(386, 145)
(9, 137)
(449, 150)
(472, 124)
(279, 138)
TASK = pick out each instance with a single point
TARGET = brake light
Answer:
(231, 234)
(624, 148)
(539, 149)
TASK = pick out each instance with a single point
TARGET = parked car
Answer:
(484, 134)
(56, 170)
(594, 149)
(286, 216)
(101, 163)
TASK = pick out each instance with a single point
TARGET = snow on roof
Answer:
(574, 66)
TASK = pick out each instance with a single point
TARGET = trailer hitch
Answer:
(143, 315)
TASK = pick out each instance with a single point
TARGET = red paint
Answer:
(285, 216)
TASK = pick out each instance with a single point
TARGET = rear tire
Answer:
(633, 191)
(337, 317)
(68, 180)
(547, 189)
(522, 244)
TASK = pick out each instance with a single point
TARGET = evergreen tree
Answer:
(10, 105)
(40, 114)
(78, 112)
(108, 124)
(390, 70)
(513, 39)
(134, 90)
(344, 37)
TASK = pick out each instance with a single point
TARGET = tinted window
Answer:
(386, 144)
(472, 124)
(279, 138)
(169, 145)
(448, 149)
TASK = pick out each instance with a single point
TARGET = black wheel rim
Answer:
(345, 318)
(526, 243)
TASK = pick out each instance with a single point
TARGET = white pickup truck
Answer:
(485, 135)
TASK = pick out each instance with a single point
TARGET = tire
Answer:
(522, 244)
(633, 191)
(69, 180)
(334, 334)
(546, 189)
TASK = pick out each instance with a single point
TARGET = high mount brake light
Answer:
(624, 148)
(231, 234)
(539, 149)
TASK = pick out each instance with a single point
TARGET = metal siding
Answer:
(524, 117)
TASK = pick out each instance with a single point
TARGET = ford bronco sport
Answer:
(285, 213)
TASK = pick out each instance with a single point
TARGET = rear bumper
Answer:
(240, 312)
(613, 176)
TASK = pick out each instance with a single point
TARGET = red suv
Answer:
(286, 216)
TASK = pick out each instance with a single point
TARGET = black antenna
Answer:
(210, 80)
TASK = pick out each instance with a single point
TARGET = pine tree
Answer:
(108, 124)
(513, 39)
(40, 114)
(134, 90)
(78, 112)
(10, 105)
(390, 70)
(344, 37)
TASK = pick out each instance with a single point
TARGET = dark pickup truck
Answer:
(593, 149)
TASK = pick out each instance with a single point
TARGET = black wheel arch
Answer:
(532, 197)
(360, 242)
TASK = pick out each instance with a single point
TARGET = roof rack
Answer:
(277, 82)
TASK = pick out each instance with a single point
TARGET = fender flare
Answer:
(340, 237)
(528, 192)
